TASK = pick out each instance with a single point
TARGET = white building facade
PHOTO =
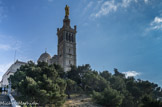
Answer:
(12, 69)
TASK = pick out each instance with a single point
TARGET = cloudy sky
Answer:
(122, 34)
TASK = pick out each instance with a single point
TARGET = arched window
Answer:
(70, 37)
(67, 36)
(69, 50)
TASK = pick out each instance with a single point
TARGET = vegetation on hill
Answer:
(48, 84)
(41, 83)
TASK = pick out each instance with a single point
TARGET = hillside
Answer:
(80, 100)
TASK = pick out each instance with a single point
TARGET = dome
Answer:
(44, 57)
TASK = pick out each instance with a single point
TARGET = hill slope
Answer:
(80, 100)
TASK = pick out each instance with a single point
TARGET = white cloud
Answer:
(125, 3)
(4, 68)
(112, 6)
(156, 24)
(98, 4)
(89, 5)
(131, 74)
(158, 20)
(146, 1)
(106, 8)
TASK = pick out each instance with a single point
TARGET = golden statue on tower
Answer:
(67, 10)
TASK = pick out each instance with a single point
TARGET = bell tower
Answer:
(66, 43)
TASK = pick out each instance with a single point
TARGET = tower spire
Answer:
(66, 43)
(66, 20)
(67, 10)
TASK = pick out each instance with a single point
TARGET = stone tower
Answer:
(66, 43)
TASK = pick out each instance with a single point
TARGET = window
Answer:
(69, 50)
(67, 36)
(70, 37)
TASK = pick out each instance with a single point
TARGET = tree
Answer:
(109, 97)
(46, 84)
(42, 83)
(106, 75)
(76, 73)
(147, 101)
(71, 86)
(118, 83)
(92, 81)
(86, 78)
(117, 73)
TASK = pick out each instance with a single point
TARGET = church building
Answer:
(66, 48)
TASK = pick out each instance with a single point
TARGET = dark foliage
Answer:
(47, 84)
(115, 90)
(41, 83)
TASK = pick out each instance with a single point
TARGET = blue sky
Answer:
(123, 34)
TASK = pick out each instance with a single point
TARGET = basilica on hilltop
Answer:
(66, 50)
